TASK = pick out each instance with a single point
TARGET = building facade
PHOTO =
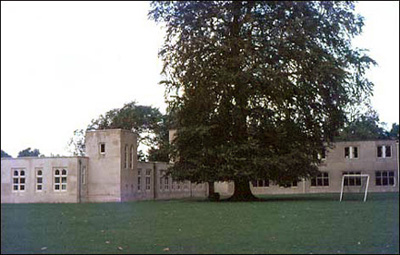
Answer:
(378, 159)
(111, 173)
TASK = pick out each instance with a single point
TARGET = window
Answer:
(288, 185)
(384, 178)
(39, 180)
(60, 179)
(322, 179)
(166, 183)
(384, 151)
(83, 175)
(148, 179)
(260, 183)
(126, 156)
(351, 152)
(102, 148)
(139, 179)
(18, 180)
(352, 181)
(131, 158)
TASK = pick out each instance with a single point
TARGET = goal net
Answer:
(353, 182)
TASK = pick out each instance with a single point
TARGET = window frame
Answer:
(18, 177)
(385, 178)
(350, 181)
(102, 148)
(37, 176)
(61, 176)
(322, 177)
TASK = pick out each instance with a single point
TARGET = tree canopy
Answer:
(258, 87)
(148, 122)
(5, 154)
(28, 152)
(366, 126)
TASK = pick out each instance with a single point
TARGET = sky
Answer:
(65, 63)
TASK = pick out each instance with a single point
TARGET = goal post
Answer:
(354, 176)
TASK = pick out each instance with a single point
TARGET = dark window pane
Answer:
(260, 183)
(22, 187)
(39, 187)
(64, 179)
(57, 187)
(384, 181)
(64, 172)
(57, 172)
(15, 180)
(319, 182)
(391, 173)
(378, 181)
(22, 180)
(22, 173)
(358, 181)
(267, 183)
(294, 183)
(379, 152)
(346, 181)
(64, 187)
(378, 173)
(15, 187)
(15, 173)
(326, 182)
(57, 180)
(39, 180)
(388, 151)
(355, 152)
(313, 182)
(384, 173)
(346, 152)
(39, 172)
(351, 181)
(391, 181)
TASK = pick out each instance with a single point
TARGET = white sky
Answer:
(65, 63)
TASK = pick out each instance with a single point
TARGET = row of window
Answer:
(382, 178)
(350, 152)
(19, 179)
(164, 181)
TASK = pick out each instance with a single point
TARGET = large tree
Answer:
(258, 88)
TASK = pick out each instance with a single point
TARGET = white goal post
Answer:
(354, 175)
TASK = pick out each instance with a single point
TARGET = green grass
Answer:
(281, 224)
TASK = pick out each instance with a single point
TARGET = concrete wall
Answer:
(48, 194)
(104, 175)
(160, 188)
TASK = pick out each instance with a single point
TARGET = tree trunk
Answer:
(210, 189)
(242, 191)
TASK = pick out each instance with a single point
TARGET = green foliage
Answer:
(29, 153)
(5, 154)
(364, 127)
(148, 122)
(77, 143)
(394, 132)
(258, 88)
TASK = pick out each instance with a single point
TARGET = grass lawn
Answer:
(316, 224)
